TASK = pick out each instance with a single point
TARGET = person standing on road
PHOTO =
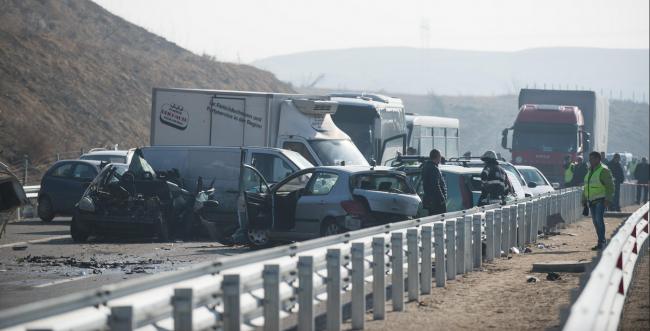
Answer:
(603, 158)
(435, 189)
(468, 155)
(496, 186)
(618, 172)
(632, 166)
(598, 194)
(581, 169)
(642, 175)
(569, 168)
(410, 151)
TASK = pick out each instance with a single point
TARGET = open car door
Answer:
(254, 202)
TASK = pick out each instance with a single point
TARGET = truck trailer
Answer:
(301, 123)
(554, 123)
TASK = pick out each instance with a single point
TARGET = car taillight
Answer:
(464, 192)
(353, 207)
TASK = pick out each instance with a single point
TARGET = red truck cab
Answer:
(543, 134)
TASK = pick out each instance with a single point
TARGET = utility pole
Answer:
(424, 32)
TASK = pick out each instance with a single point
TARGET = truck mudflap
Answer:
(390, 202)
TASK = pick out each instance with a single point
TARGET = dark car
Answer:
(63, 185)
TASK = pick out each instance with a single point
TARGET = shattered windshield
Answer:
(332, 152)
(115, 172)
(139, 165)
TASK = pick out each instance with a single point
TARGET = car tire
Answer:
(46, 209)
(160, 228)
(75, 233)
(330, 227)
(257, 239)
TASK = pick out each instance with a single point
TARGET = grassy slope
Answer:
(74, 76)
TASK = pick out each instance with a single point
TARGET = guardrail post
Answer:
(25, 171)
(426, 277)
(232, 288)
(306, 293)
(57, 157)
(378, 278)
(498, 223)
(271, 297)
(122, 318)
(413, 264)
(489, 236)
(334, 286)
(529, 222)
(439, 232)
(460, 244)
(521, 225)
(82, 152)
(469, 262)
(478, 241)
(513, 225)
(535, 220)
(183, 307)
(358, 286)
(397, 243)
(450, 228)
(505, 222)
(546, 210)
(563, 209)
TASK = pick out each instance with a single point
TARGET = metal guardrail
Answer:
(260, 289)
(600, 304)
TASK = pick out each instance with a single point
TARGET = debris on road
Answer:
(19, 248)
(553, 276)
(528, 250)
(514, 250)
(531, 279)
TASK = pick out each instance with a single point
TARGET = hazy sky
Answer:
(243, 31)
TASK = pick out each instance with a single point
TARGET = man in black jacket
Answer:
(435, 189)
(642, 176)
(581, 170)
(616, 168)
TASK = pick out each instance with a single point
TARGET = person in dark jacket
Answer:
(603, 159)
(618, 172)
(581, 170)
(435, 189)
(496, 186)
(642, 176)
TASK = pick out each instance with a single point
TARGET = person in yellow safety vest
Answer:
(411, 151)
(598, 194)
(631, 166)
(569, 168)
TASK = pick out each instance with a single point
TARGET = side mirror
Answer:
(556, 186)
(504, 142)
(532, 184)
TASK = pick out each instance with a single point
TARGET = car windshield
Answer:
(382, 182)
(105, 158)
(546, 142)
(298, 160)
(332, 152)
(531, 175)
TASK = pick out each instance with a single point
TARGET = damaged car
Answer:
(133, 200)
(317, 202)
(12, 194)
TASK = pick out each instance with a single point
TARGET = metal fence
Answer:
(602, 291)
(260, 289)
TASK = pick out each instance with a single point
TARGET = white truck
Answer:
(301, 123)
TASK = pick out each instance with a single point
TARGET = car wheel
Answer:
(161, 230)
(257, 239)
(46, 209)
(75, 233)
(331, 227)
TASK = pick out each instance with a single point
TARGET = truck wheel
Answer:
(331, 227)
(45, 209)
(257, 239)
(75, 233)
(161, 230)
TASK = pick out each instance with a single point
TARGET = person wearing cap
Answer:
(597, 195)
(468, 155)
(569, 169)
(496, 186)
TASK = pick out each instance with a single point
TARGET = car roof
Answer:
(525, 167)
(110, 152)
(452, 168)
(217, 148)
(352, 169)
(92, 162)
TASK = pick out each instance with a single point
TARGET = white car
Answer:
(537, 182)
(109, 156)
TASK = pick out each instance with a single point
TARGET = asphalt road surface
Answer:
(52, 265)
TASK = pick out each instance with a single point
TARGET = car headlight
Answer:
(87, 204)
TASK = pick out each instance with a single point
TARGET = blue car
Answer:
(63, 185)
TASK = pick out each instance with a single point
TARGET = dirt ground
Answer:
(636, 314)
(498, 296)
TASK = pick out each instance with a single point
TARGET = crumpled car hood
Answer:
(394, 203)
(12, 193)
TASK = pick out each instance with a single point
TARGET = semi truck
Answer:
(554, 123)
(375, 122)
(301, 123)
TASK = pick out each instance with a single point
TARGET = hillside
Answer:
(74, 76)
(457, 72)
(483, 118)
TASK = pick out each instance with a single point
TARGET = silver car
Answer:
(321, 201)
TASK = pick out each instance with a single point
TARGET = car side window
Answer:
(322, 183)
(299, 182)
(63, 171)
(272, 167)
(253, 182)
(82, 171)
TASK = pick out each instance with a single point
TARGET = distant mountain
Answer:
(452, 72)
